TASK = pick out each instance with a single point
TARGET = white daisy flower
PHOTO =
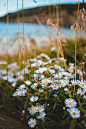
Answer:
(40, 108)
(32, 122)
(41, 115)
(57, 66)
(73, 82)
(34, 98)
(21, 87)
(33, 60)
(61, 69)
(22, 92)
(53, 48)
(82, 84)
(35, 75)
(41, 90)
(33, 64)
(39, 63)
(84, 97)
(66, 78)
(74, 112)
(51, 81)
(20, 77)
(55, 95)
(16, 93)
(56, 77)
(38, 71)
(4, 78)
(10, 79)
(13, 84)
(44, 55)
(33, 110)
(44, 82)
(27, 82)
(62, 84)
(66, 89)
(38, 56)
(69, 102)
(72, 76)
(42, 77)
(55, 86)
(84, 91)
(65, 82)
(34, 85)
(79, 91)
(51, 71)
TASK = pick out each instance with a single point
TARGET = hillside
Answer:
(41, 14)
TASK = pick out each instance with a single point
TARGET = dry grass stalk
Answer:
(61, 18)
(59, 36)
(23, 37)
(76, 45)
(19, 37)
(7, 40)
(82, 14)
(76, 26)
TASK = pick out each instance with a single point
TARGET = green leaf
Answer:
(55, 105)
(64, 115)
(46, 96)
(81, 109)
(54, 115)
(73, 124)
(70, 94)
(25, 103)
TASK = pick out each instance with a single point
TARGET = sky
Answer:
(12, 4)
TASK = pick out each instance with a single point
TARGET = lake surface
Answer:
(41, 35)
(32, 30)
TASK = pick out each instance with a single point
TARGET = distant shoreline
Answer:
(67, 14)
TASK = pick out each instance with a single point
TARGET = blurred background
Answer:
(28, 18)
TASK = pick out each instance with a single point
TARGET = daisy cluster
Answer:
(71, 103)
(45, 83)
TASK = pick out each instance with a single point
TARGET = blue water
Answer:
(32, 30)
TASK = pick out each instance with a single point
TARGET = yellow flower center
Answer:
(51, 81)
(32, 122)
(70, 103)
(45, 79)
(33, 99)
(74, 113)
(54, 86)
(21, 93)
(43, 83)
(82, 85)
(61, 84)
(16, 93)
(40, 114)
(58, 81)
(33, 110)
(34, 85)
(40, 108)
